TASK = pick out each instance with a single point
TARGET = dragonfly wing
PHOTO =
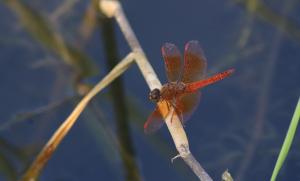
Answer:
(154, 122)
(172, 58)
(195, 63)
(187, 104)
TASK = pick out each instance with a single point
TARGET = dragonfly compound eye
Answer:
(154, 95)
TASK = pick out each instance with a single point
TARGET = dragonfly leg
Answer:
(173, 103)
(175, 157)
(170, 105)
(172, 116)
(181, 117)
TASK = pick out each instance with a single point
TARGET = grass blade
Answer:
(287, 141)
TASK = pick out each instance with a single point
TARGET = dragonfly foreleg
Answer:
(177, 110)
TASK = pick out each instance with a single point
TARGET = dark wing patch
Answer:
(172, 58)
(195, 63)
(154, 122)
(187, 104)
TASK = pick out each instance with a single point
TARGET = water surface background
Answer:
(239, 125)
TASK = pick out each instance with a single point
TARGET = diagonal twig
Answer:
(114, 9)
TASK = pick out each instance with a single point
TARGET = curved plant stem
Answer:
(287, 141)
(34, 170)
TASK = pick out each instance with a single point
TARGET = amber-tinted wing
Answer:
(187, 104)
(156, 119)
(195, 63)
(154, 122)
(172, 58)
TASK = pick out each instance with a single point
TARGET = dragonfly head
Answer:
(154, 95)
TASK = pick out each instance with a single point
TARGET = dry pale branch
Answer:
(114, 9)
(42, 158)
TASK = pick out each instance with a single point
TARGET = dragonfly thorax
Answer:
(171, 90)
(168, 91)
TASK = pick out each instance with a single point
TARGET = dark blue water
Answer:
(239, 125)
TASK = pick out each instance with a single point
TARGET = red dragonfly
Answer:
(182, 91)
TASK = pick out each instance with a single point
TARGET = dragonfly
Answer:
(182, 92)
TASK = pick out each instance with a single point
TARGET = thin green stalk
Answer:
(287, 142)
